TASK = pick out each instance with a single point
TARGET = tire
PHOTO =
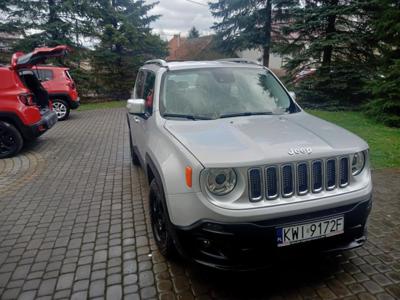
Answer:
(11, 141)
(160, 223)
(61, 108)
(134, 157)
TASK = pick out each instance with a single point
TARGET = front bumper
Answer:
(49, 118)
(253, 245)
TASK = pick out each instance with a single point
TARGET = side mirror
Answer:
(293, 95)
(136, 106)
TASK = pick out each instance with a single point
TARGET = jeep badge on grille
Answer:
(301, 150)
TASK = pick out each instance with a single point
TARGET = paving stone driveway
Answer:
(73, 224)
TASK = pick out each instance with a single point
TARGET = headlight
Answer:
(221, 181)
(358, 163)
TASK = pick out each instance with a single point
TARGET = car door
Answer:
(143, 121)
(134, 119)
(144, 89)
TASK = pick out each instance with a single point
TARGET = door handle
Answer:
(136, 119)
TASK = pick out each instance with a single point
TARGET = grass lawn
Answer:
(384, 142)
(102, 105)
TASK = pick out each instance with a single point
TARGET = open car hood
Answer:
(39, 55)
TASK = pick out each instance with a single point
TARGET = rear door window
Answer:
(148, 91)
(139, 85)
(43, 75)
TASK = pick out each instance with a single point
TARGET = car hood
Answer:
(39, 55)
(258, 140)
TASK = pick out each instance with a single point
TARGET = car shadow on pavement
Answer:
(280, 279)
(32, 147)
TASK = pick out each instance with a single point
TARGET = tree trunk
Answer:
(52, 19)
(268, 29)
(330, 28)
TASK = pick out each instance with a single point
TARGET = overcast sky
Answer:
(178, 16)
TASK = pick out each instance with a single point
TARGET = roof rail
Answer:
(160, 62)
(241, 61)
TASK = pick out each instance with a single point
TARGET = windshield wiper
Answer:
(245, 114)
(190, 117)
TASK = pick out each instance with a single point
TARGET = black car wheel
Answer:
(161, 226)
(61, 108)
(11, 140)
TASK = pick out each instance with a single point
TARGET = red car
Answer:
(25, 109)
(61, 88)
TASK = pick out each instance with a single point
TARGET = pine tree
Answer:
(333, 36)
(126, 41)
(118, 30)
(245, 24)
(193, 33)
(385, 86)
(50, 22)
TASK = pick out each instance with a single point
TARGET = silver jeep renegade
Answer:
(239, 174)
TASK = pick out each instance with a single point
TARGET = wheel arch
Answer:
(152, 172)
(13, 120)
(61, 96)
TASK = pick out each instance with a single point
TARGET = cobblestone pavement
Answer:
(74, 224)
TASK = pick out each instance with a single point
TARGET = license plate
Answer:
(309, 231)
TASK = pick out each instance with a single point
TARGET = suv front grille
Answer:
(317, 176)
(301, 178)
(344, 172)
(271, 177)
(287, 181)
(255, 184)
(330, 174)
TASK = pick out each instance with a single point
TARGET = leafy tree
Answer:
(245, 24)
(335, 37)
(193, 33)
(126, 41)
(385, 86)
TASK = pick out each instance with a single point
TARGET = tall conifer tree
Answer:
(244, 24)
(335, 37)
(385, 86)
(126, 40)
(193, 33)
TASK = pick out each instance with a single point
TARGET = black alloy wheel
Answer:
(160, 223)
(11, 140)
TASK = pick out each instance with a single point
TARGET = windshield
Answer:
(222, 92)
